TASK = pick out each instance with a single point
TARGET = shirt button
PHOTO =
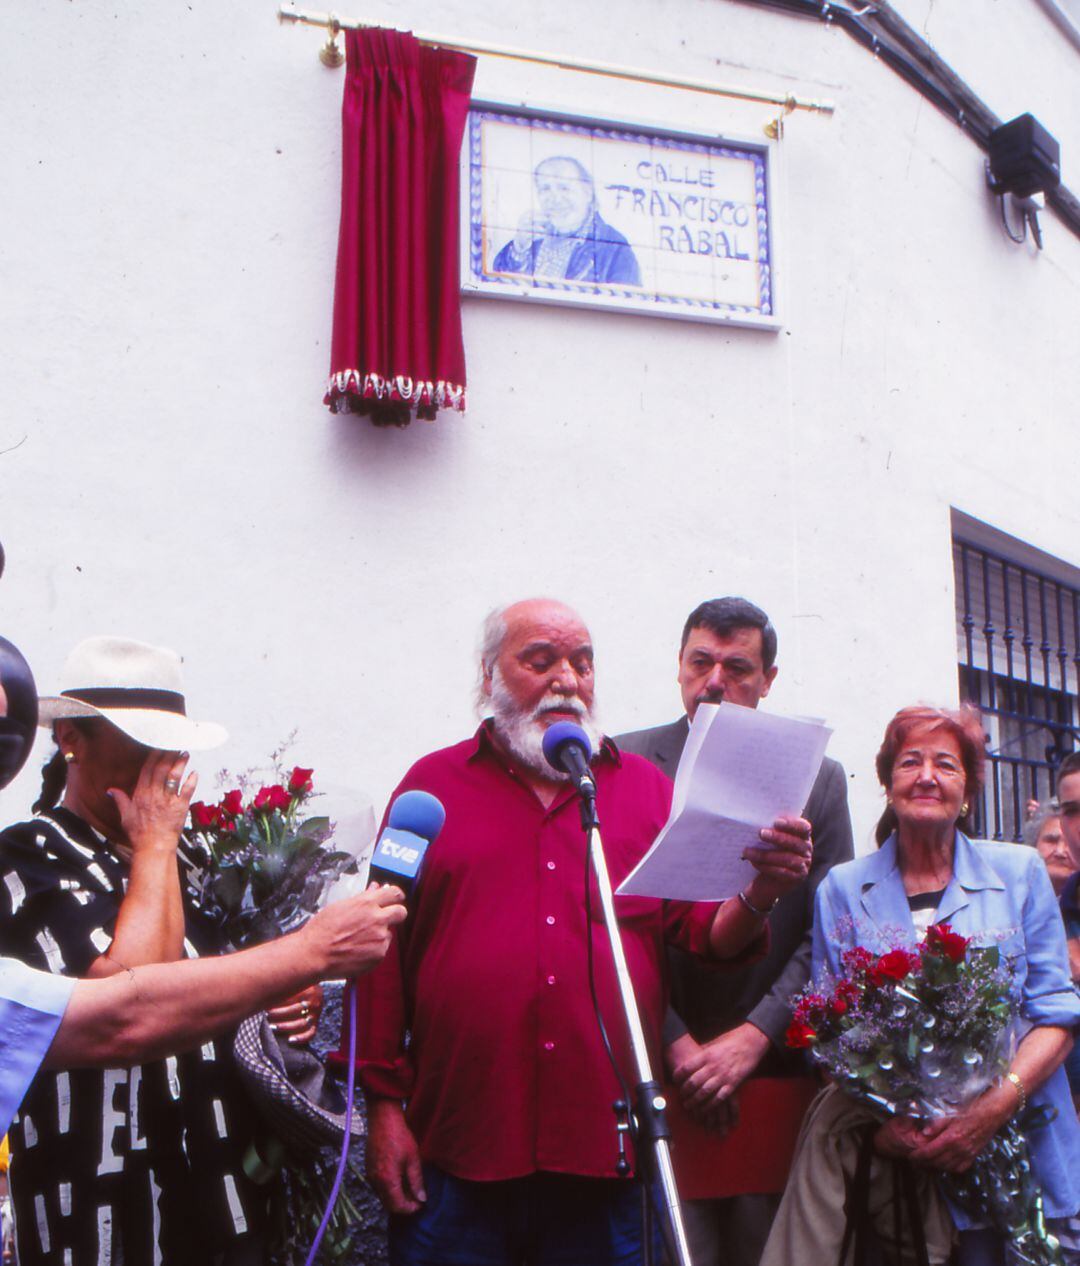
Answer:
(550, 920)
(551, 980)
(551, 865)
(549, 1046)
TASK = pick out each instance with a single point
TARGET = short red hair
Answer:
(964, 724)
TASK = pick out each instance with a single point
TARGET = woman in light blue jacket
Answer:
(928, 871)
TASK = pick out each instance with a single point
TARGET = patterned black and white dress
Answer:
(138, 1166)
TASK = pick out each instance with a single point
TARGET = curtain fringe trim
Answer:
(414, 391)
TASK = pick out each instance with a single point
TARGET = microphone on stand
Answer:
(416, 818)
(567, 749)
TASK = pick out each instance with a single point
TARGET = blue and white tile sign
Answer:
(566, 210)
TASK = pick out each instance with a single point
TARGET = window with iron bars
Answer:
(1018, 632)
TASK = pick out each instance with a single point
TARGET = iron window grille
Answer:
(1019, 650)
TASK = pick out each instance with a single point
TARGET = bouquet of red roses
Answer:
(920, 1033)
(266, 864)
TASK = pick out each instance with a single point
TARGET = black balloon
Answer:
(18, 711)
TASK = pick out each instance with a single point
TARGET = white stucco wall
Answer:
(167, 240)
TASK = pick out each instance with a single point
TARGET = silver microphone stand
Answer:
(652, 1142)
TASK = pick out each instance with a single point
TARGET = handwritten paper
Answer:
(740, 770)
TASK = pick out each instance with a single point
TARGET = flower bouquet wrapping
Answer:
(921, 1033)
(265, 865)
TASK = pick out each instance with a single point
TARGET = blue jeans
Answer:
(541, 1220)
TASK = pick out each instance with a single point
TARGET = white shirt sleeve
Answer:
(32, 1003)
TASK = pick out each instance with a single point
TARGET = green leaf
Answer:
(314, 826)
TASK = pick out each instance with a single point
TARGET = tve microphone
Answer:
(567, 749)
(416, 818)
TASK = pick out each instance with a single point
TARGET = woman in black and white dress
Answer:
(142, 1165)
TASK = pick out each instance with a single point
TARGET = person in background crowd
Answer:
(724, 1029)
(1068, 797)
(927, 871)
(1043, 832)
(506, 1152)
(109, 1165)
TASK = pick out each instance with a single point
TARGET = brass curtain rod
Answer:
(333, 23)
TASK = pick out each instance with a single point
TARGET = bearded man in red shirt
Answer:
(492, 1138)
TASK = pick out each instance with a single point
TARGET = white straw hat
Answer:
(139, 688)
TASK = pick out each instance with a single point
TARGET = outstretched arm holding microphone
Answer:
(150, 1011)
(156, 1010)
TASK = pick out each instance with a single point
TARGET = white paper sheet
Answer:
(740, 770)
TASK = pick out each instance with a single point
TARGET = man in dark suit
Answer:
(724, 1028)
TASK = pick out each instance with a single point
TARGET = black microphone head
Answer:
(558, 736)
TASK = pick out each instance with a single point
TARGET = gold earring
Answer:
(69, 757)
(964, 809)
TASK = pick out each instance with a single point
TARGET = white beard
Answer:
(523, 732)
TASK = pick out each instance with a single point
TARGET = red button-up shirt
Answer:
(504, 1070)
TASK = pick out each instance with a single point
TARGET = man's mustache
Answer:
(572, 704)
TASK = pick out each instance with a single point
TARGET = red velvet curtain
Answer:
(397, 344)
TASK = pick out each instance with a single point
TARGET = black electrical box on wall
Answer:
(1024, 158)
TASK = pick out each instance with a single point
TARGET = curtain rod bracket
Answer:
(332, 54)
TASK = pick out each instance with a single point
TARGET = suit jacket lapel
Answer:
(669, 744)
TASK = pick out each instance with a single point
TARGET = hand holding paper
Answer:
(782, 859)
(741, 772)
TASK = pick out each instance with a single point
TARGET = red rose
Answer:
(838, 1005)
(894, 965)
(800, 1035)
(232, 803)
(279, 797)
(204, 815)
(300, 780)
(943, 941)
(267, 799)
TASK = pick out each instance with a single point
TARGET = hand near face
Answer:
(782, 859)
(154, 814)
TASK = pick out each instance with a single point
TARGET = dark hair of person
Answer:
(1070, 765)
(723, 616)
(54, 772)
(964, 724)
